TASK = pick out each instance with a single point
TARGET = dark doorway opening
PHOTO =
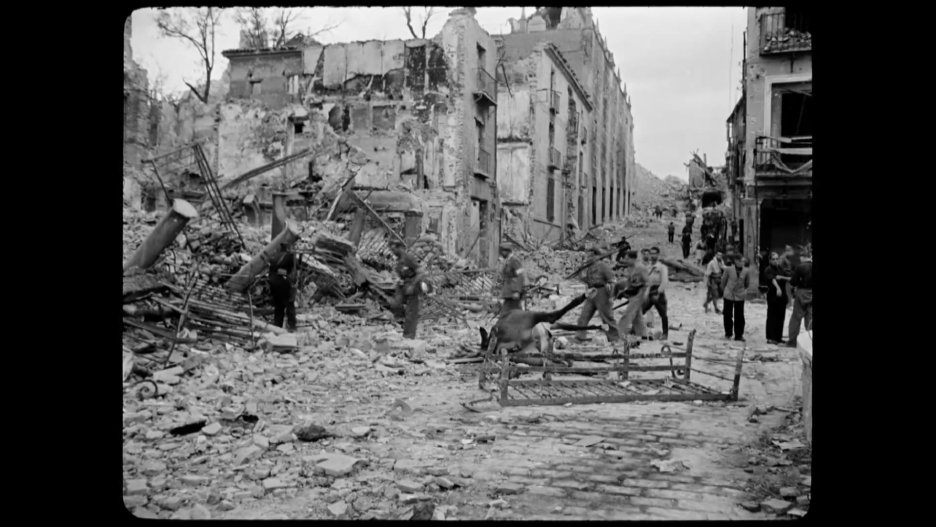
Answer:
(785, 222)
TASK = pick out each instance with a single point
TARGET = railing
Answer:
(483, 166)
(553, 101)
(487, 85)
(785, 32)
(783, 156)
(555, 158)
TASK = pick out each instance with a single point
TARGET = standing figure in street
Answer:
(671, 231)
(598, 276)
(283, 288)
(802, 292)
(787, 266)
(776, 299)
(735, 282)
(514, 280)
(406, 297)
(763, 261)
(690, 219)
(658, 282)
(713, 276)
(635, 289)
(686, 243)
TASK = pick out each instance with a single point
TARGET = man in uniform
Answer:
(635, 288)
(408, 289)
(658, 281)
(282, 287)
(802, 304)
(599, 276)
(671, 231)
(514, 280)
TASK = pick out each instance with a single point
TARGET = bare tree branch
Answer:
(281, 26)
(407, 12)
(254, 24)
(178, 24)
(430, 12)
(329, 26)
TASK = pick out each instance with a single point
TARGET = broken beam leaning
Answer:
(168, 228)
(240, 281)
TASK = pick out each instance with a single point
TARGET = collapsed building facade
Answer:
(565, 147)
(417, 116)
(770, 131)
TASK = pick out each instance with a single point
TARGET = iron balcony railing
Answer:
(487, 85)
(483, 166)
(555, 158)
(785, 156)
(785, 32)
(554, 101)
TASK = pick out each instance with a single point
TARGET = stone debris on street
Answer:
(309, 333)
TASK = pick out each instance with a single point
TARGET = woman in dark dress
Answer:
(776, 299)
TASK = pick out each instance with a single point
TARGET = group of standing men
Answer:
(643, 283)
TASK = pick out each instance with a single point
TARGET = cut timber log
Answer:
(239, 282)
(684, 266)
(168, 228)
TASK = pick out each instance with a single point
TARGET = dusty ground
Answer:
(412, 456)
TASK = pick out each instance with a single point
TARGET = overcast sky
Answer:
(675, 61)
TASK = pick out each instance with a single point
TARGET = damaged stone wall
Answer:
(136, 105)
(611, 123)
(405, 106)
(524, 118)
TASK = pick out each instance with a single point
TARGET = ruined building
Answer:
(419, 115)
(770, 131)
(565, 131)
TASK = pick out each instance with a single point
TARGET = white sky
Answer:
(676, 62)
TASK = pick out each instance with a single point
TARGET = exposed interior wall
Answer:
(406, 108)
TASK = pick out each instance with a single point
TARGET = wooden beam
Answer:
(165, 232)
(239, 282)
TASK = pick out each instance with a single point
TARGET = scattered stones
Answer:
(152, 468)
(776, 505)
(508, 488)
(408, 486)
(194, 481)
(261, 441)
(445, 483)
(751, 506)
(361, 431)
(137, 486)
(788, 492)
(199, 512)
(273, 483)
(498, 504)
(796, 512)
(212, 429)
(338, 509)
(338, 465)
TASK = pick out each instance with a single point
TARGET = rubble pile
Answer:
(224, 427)
(653, 191)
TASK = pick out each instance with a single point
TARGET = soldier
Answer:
(514, 280)
(686, 243)
(671, 231)
(408, 289)
(600, 277)
(635, 288)
(282, 288)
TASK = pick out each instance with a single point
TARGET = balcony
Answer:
(553, 101)
(555, 158)
(486, 88)
(786, 158)
(483, 166)
(785, 32)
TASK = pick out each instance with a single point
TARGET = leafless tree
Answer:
(197, 26)
(254, 24)
(408, 13)
(285, 19)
